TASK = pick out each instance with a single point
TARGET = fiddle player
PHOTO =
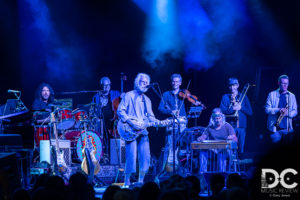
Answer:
(281, 107)
(230, 106)
(218, 129)
(172, 104)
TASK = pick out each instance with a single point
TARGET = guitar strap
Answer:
(145, 106)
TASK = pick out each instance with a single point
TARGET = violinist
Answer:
(172, 103)
(231, 106)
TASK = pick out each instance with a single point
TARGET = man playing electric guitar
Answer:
(135, 110)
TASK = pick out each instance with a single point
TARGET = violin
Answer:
(185, 94)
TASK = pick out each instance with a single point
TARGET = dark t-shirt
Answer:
(220, 134)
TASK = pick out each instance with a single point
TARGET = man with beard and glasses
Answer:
(134, 109)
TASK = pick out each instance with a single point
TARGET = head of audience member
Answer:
(283, 82)
(172, 195)
(45, 93)
(21, 194)
(149, 191)
(124, 194)
(234, 180)
(196, 187)
(141, 83)
(105, 85)
(217, 118)
(217, 183)
(233, 85)
(110, 192)
(176, 81)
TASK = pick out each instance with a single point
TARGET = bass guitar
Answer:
(128, 133)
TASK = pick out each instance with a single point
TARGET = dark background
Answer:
(105, 38)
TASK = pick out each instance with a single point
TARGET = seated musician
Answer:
(44, 97)
(218, 129)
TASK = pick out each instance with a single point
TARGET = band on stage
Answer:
(113, 115)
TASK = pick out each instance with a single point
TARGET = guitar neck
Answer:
(55, 131)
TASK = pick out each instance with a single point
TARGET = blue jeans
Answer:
(241, 134)
(140, 146)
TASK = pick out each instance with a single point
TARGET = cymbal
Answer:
(90, 104)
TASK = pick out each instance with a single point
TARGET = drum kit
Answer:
(72, 125)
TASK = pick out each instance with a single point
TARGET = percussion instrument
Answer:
(41, 132)
(65, 119)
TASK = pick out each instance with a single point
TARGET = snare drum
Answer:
(65, 119)
(95, 141)
(41, 133)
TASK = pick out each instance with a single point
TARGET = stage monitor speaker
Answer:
(65, 146)
(117, 152)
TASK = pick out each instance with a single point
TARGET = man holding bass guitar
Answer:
(135, 114)
(104, 110)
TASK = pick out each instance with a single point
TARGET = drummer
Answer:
(41, 104)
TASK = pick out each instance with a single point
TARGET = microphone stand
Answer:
(159, 94)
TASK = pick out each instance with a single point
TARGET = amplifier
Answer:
(117, 152)
(65, 146)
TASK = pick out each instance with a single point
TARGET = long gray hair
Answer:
(138, 78)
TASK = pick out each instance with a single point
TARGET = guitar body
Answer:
(94, 162)
(62, 166)
(127, 133)
(90, 164)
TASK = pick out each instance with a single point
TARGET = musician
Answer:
(218, 129)
(44, 97)
(172, 104)
(281, 102)
(104, 100)
(230, 105)
(135, 104)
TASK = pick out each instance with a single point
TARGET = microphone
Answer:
(13, 91)
(151, 85)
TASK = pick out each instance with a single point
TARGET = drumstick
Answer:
(75, 110)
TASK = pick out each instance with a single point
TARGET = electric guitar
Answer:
(90, 164)
(128, 133)
(60, 161)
